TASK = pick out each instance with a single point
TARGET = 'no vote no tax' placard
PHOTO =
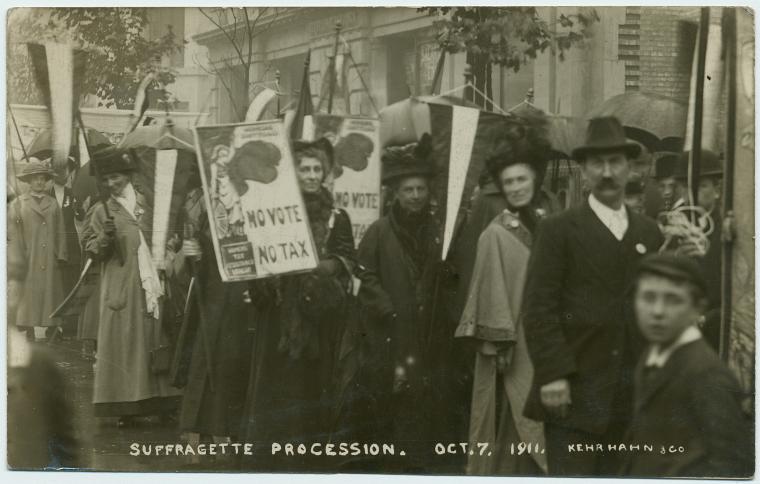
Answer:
(356, 187)
(257, 217)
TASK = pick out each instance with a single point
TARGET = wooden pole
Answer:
(730, 36)
(333, 74)
(696, 140)
(104, 197)
(18, 133)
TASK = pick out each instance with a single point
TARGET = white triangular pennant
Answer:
(464, 125)
(163, 184)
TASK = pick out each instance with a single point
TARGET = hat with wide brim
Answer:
(322, 144)
(605, 135)
(114, 160)
(410, 160)
(35, 167)
(710, 164)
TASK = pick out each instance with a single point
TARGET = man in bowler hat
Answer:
(579, 327)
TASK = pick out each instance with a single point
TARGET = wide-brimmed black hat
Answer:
(603, 135)
(113, 160)
(675, 267)
(710, 164)
(408, 160)
(35, 167)
(322, 144)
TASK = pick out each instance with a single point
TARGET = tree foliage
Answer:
(506, 36)
(119, 53)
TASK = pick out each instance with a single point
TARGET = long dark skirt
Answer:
(215, 391)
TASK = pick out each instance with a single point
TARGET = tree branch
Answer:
(225, 32)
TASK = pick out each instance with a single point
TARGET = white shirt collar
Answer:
(659, 356)
(615, 220)
(128, 198)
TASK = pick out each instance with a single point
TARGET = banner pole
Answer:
(333, 74)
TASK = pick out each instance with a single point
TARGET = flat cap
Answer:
(675, 267)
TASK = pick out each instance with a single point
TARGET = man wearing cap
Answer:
(671, 189)
(399, 255)
(578, 324)
(711, 222)
(64, 196)
(687, 403)
(36, 250)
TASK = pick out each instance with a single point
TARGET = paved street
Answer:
(103, 445)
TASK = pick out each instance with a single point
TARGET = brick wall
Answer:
(667, 37)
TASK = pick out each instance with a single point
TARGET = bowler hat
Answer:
(675, 267)
(409, 160)
(604, 135)
(665, 165)
(35, 167)
(113, 159)
(710, 164)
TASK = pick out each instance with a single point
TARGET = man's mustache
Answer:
(607, 183)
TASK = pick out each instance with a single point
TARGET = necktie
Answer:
(617, 226)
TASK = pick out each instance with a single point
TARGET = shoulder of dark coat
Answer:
(645, 222)
(341, 216)
(700, 361)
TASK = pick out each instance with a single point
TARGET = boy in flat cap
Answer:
(687, 402)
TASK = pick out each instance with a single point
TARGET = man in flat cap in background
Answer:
(687, 402)
(578, 321)
(709, 195)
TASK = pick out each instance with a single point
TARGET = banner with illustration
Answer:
(258, 220)
(356, 177)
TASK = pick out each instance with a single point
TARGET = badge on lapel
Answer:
(641, 249)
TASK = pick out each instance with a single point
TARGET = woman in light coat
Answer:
(491, 317)
(127, 384)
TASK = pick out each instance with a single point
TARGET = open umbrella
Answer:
(84, 186)
(656, 121)
(42, 145)
(406, 121)
(145, 142)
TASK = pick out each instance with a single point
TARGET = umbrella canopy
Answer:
(653, 120)
(406, 121)
(160, 137)
(145, 142)
(42, 145)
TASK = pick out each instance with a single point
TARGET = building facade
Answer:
(393, 54)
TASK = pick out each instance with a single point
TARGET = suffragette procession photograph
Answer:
(464, 240)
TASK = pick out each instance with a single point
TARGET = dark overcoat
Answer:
(692, 402)
(289, 396)
(217, 376)
(419, 339)
(578, 317)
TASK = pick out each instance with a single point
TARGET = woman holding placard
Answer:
(291, 393)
